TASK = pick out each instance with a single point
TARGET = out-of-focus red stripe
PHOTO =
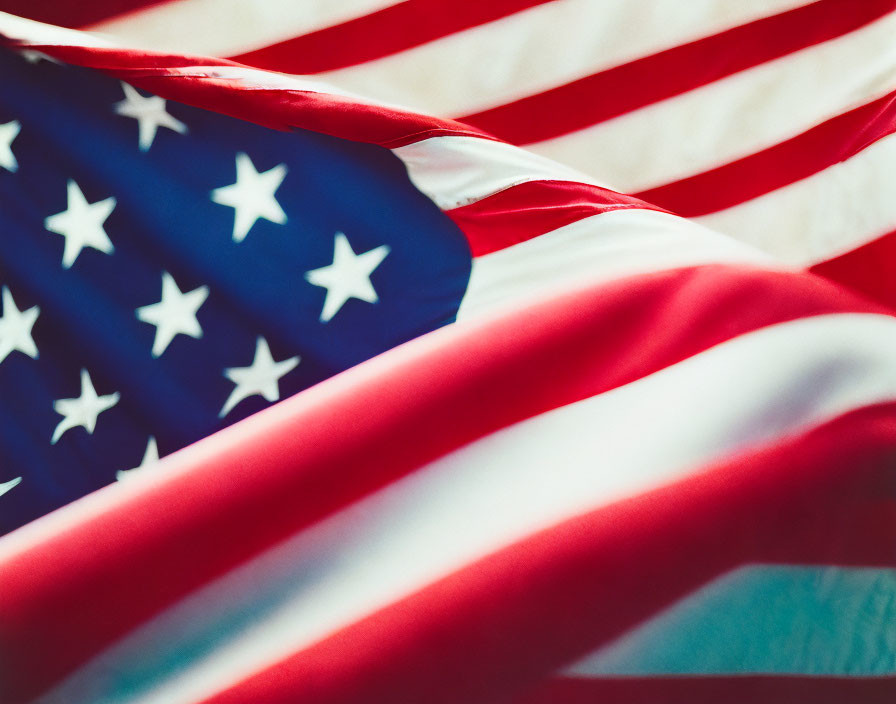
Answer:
(743, 689)
(528, 210)
(387, 31)
(504, 624)
(624, 88)
(869, 269)
(126, 559)
(71, 13)
(832, 141)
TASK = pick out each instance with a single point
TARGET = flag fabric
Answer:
(648, 463)
(770, 120)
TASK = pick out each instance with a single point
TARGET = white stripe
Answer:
(455, 171)
(765, 619)
(830, 212)
(599, 248)
(493, 493)
(227, 27)
(540, 48)
(736, 116)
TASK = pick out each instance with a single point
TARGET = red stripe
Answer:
(505, 623)
(320, 112)
(869, 269)
(812, 151)
(72, 14)
(387, 31)
(275, 108)
(624, 88)
(531, 209)
(752, 689)
(127, 560)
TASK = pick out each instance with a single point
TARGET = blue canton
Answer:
(166, 272)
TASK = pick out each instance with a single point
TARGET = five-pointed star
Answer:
(83, 410)
(15, 328)
(150, 114)
(32, 56)
(347, 277)
(174, 314)
(252, 196)
(81, 224)
(9, 132)
(11, 484)
(262, 377)
(150, 459)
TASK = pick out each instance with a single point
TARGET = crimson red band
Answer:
(527, 210)
(869, 269)
(278, 108)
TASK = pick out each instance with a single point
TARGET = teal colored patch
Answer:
(766, 619)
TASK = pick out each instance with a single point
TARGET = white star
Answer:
(32, 56)
(81, 224)
(9, 132)
(262, 377)
(174, 314)
(252, 196)
(15, 328)
(11, 484)
(150, 459)
(83, 410)
(347, 277)
(150, 114)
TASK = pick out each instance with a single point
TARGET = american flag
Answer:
(626, 428)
